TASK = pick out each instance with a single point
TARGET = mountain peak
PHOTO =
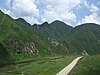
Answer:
(45, 23)
(57, 21)
(21, 20)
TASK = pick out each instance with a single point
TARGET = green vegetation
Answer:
(17, 38)
(20, 42)
(85, 37)
(89, 65)
(44, 66)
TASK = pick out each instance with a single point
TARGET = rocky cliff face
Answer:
(30, 48)
(15, 43)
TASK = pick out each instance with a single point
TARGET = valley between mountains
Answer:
(47, 48)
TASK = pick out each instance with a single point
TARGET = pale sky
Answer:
(72, 12)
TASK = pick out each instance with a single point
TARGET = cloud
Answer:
(94, 17)
(24, 8)
(31, 20)
(59, 10)
(38, 11)
(69, 4)
(83, 3)
(66, 17)
(93, 8)
(6, 11)
(28, 10)
(90, 19)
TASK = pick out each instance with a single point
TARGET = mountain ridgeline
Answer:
(17, 37)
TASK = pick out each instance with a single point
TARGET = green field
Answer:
(46, 66)
(89, 65)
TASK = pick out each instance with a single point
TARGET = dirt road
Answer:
(68, 68)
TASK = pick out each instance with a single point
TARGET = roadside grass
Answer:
(8, 74)
(46, 66)
(89, 65)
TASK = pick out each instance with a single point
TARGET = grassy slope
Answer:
(85, 37)
(10, 29)
(89, 65)
(79, 39)
(55, 30)
(26, 34)
(45, 66)
(41, 41)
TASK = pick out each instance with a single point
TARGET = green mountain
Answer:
(19, 38)
(85, 37)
